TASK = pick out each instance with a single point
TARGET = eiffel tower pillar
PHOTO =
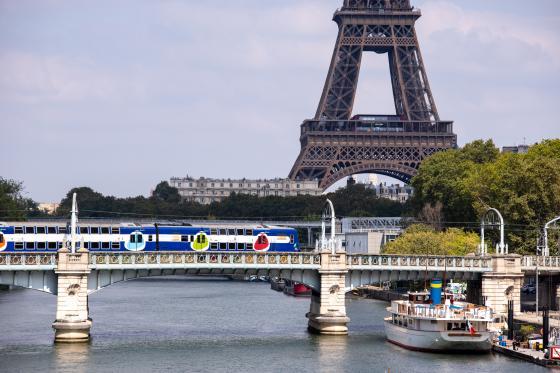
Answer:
(335, 144)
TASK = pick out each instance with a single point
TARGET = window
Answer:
(61, 230)
(19, 245)
(248, 232)
(94, 245)
(213, 231)
(191, 238)
(29, 230)
(231, 232)
(105, 245)
(40, 230)
(240, 232)
(214, 246)
(115, 245)
(59, 245)
(150, 238)
(132, 238)
(94, 230)
(52, 246)
(84, 230)
(231, 246)
(291, 238)
(18, 230)
(105, 230)
(240, 246)
(249, 246)
(29, 245)
(41, 245)
(223, 246)
(51, 230)
(86, 245)
(222, 232)
(114, 230)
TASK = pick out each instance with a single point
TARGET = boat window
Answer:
(94, 245)
(105, 230)
(29, 245)
(40, 230)
(213, 231)
(249, 232)
(52, 245)
(51, 230)
(114, 230)
(29, 230)
(231, 232)
(433, 321)
(115, 245)
(94, 230)
(223, 246)
(19, 245)
(449, 326)
(41, 245)
(83, 230)
(104, 245)
(18, 230)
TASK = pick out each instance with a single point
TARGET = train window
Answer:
(29, 245)
(191, 238)
(240, 232)
(291, 238)
(139, 238)
(41, 245)
(249, 246)
(231, 246)
(115, 245)
(214, 246)
(61, 230)
(19, 245)
(86, 245)
(40, 230)
(222, 232)
(184, 238)
(52, 245)
(51, 230)
(18, 230)
(60, 245)
(240, 246)
(29, 230)
(150, 238)
(94, 230)
(261, 240)
(1, 238)
(84, 230)
(105, 245)
(114, 230)
(94, 245)
(249, 232)
(223, 246)
(105, 230)
(231, 232)
(213, 231)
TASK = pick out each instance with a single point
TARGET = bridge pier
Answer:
(72, 322)
(503, 283)
(327, 313)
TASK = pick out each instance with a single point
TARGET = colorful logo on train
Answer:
(135, 241)
(201, 242)
(262, 242)
(3, 243)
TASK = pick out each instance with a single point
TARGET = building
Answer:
(369, 235)
(205, 190)
(395, 192)
(48, 207)
(519, 149)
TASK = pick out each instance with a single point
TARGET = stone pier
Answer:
(72, 322)
(503, 283)
(327, 314)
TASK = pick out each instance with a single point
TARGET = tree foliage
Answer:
(13, 205)
(419, 239)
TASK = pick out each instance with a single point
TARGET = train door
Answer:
(3, 243)
(136, 241)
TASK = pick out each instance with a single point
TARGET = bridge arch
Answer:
(400, 171)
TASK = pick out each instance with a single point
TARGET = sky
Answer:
(119, 95)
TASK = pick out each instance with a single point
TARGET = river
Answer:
(196, 325)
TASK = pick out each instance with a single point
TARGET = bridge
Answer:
(330, 274)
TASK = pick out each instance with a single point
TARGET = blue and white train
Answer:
(49, 237)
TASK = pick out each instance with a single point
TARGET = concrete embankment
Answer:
(374, 292)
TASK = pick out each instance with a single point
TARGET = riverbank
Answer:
(375, 292)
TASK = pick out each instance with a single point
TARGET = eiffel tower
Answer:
(336, 144)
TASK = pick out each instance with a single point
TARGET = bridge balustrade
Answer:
(388, 262)
(28, 261)
(530, 263)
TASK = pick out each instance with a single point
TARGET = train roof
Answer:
(161, 224)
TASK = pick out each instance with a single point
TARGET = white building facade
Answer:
(206, 190)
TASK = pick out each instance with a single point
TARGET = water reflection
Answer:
(332, 352)
(72, 356)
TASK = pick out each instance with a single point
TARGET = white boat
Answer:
(418, 324)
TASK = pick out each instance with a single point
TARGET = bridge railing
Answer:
(530, 263)
(205, 258)
(481, 264)
(28, 260)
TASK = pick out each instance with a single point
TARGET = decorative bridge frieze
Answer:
(419, 263)
(543, 263)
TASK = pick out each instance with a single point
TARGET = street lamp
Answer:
(492, 212)
(546, 226)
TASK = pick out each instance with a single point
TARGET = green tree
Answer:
(13, 205)
(166, 193)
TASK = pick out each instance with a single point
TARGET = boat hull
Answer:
(435, 341)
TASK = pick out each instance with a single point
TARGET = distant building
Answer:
(519, 149)
(395, 192)
(48, 207)
(205, 190)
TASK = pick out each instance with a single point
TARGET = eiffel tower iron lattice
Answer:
(336, 144)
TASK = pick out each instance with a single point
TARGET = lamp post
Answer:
(501, 246)
(546, 226)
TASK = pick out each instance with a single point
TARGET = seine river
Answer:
(199, 325)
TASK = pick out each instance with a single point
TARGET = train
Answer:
(103, 237)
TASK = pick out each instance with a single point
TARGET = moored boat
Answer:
(422, 323)
(297, 289)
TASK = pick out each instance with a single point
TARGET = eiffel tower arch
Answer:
(335, 144)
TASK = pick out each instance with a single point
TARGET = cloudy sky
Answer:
(118, 95)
